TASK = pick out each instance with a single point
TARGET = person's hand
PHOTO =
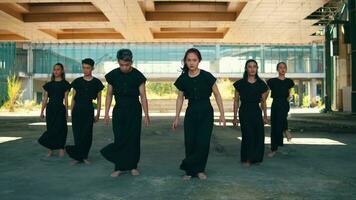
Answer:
(147, 120)
(41, 115)
(97, 117)
(222, 121)
(265, 120)
(235, 122)
(175, 123)
(107, 119)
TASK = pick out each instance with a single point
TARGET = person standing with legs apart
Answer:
(196, 85)
(252, 91)
(127, 84)
(56, 113)
(280, 91)
(85, 90)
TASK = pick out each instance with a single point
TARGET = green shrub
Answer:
(13, 92)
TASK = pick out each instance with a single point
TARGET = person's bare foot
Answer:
(271, 154)
(115, 174)
(135, 172)
(86, 161)
(186, 177)
(202, 176)
(288, 135)
(61, 153)
(74, 162)
(247, 163)
(50, 153)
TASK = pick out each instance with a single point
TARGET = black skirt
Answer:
(126, 121)
(253, 135)
(279, 113)
(198, 127)
(56, 134)
(82, 125)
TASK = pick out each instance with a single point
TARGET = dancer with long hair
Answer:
(196, 85)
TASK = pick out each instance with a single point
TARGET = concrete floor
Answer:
(303, 171)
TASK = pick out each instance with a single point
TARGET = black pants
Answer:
(126, 120)
(198, 126)
(55, 136)
(253, 135)
(82, 125)
(279, 123)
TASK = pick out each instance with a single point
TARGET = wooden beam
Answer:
(63, 8)
(175, 6)
(8, 9)
(20, 7)
(69, 36)
(190, 16)
(188, 35)
(50, 32)
(11, 37)
(197, 29)
(88, 30)
(61, 17)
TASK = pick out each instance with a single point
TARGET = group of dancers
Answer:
(127, 85)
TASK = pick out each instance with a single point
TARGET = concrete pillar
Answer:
(217, 58)
(300, 92)
(30, 71)
(314, 61)
(312, 90)
(262, 64)
(328, 70)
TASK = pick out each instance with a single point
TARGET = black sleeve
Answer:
(140, 78)
(263, 86)
(179, 83)
(291, 83)
(210, 79)
(46, 86)
(67, 86)
(109, 77)
(100, 86)
(270, 83)
(237, 86)
(74, 84)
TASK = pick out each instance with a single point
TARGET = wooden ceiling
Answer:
(208, 21)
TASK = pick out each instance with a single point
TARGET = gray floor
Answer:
(303, 171)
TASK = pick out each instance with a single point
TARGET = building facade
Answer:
(33, 62)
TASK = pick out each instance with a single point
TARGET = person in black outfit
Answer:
(127, 84)
(196, 85)
(85, 90)
(280, 92)
(56, 113)
(253, 92)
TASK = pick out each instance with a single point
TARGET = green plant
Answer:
(306, 101)
(226, 88)
(161, 90)
(13, 92)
